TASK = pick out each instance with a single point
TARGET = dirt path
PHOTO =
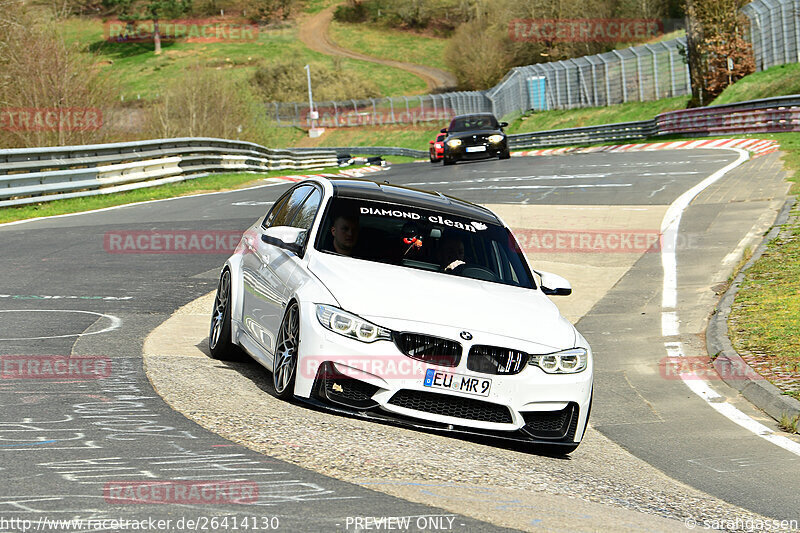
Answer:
(314, 33)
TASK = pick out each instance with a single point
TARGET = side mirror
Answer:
(504, 124)
(431, 142)
(555, 285)
(443, 130)
(286, 237)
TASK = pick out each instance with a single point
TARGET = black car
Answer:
(476, 136)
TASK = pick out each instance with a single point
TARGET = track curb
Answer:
(745, 379)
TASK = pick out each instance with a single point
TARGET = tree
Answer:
(716, 33)
(132, 11)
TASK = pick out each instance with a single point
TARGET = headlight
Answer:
(569, 361)
(494, 139)
(454, 143)
(350, 325)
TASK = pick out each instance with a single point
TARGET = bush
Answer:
(210, 106)
(477, 56)
(286, 81)
(351, 12)
(38, 72)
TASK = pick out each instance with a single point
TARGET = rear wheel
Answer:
(285, 363)
(219, 336)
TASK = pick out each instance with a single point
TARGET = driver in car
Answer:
(451, 253)
(345, 230)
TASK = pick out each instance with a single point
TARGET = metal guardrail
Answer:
(587, 135)
(371, 150)
(31, 175)
(767, 115)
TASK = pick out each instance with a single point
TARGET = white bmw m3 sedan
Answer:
(405, 306)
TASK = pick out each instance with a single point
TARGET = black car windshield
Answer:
(414, 237)
(473, 122)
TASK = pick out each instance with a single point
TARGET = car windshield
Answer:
(469, 123)
(419, 238)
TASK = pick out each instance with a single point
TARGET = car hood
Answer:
(375, 290)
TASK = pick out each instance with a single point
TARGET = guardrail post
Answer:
(374, 112)
(408, 111)
(336, 113)
(391, 109)
(608, 83)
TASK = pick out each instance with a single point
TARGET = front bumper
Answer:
(377, 381)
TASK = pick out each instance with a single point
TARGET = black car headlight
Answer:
(454, 143)
(495, 139)
(350, 325)
(569, 361)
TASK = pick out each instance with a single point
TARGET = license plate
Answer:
(436, 379)
(476, 148)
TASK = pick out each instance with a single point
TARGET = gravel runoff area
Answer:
(594, 489)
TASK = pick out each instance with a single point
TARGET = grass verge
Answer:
(779, 80)
(391, 44)
(594, 116)
(765, 318)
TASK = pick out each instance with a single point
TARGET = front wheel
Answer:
(284, 365)
(505, 155)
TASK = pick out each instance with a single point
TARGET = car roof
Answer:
(473, 115)
(385, 192)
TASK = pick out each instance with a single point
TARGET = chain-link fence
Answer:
(642, 73)
(774, 31)
(377, 111)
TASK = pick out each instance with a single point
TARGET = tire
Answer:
(284, 366)
(433, 158)
(447, 161)
(505, 155)
(220, 345)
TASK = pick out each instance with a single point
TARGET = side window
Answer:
(305, 215)
(280, 204)
(285, 210)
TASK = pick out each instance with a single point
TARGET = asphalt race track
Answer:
(65, 445)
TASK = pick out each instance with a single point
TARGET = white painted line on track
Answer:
(669, 229)
(670, 323)
(115, 323)
(587, 186)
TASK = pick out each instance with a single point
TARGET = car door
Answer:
(266, 270)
